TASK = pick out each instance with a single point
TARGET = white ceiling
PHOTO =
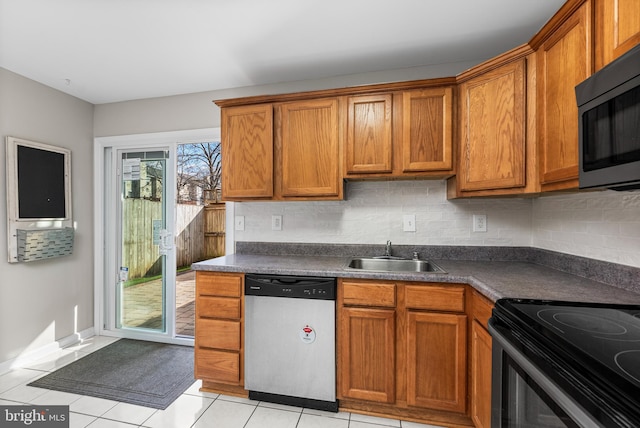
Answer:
(113, 50)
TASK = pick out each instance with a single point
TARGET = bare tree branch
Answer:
(199, 165)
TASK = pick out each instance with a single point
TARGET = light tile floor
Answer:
(192, 409)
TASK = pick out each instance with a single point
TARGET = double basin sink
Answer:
(394, 264)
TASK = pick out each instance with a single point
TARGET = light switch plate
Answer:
(409, 223)
(276, 222)
(239, 222)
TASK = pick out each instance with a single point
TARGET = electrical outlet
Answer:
(479, 222)
(239, 222)
(276, 222)
(409, 223)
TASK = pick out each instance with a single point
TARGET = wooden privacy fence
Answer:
(214, 232)
(189, 234)
(200, 235)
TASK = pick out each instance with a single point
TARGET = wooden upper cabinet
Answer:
(308, 144)
(247, 151)
(399, 134)
(302, 145)
(493, 129)
(369, 141)
(427, 128)
(617, 29)
(564, 60)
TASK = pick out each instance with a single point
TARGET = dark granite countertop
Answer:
(514, 273)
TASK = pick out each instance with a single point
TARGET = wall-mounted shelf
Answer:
(42, 244)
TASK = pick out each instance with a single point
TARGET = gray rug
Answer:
(131, 371)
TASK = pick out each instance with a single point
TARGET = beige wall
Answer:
(44, 301)
(197, 111)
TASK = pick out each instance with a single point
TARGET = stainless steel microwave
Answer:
(609, 125)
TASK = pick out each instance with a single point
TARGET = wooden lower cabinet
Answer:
(415, 351)
(437, 360)
(219, 334)
(480, 362)
(367, 343)
(402, 350)
(480, 376)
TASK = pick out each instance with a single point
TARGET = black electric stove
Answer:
(590, 350)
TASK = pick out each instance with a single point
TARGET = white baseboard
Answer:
(36, 354)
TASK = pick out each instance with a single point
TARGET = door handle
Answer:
(166, 242)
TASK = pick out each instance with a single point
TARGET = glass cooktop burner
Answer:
(591, 350)
(629, 361)
(587, 323)
(608, 334)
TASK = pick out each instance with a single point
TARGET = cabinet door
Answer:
(492, 129)
(427, 130)
(310, 148)
(247, 151)
(436, 360)
(617, 29)
(369, 134)
(564, 60)
(367, 354)
(480, 376)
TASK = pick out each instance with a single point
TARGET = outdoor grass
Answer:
(135, 281)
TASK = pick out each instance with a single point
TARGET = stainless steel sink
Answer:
(394, 265)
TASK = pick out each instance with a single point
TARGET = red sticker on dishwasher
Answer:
(307, 334)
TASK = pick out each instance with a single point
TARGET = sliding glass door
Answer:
(145, 241)
(156, 198)
(136, 263)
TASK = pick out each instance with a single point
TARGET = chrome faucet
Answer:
(387, 252)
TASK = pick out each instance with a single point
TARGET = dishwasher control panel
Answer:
(301, 287)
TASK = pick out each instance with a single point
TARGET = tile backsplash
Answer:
(603, 225)
(600, 225)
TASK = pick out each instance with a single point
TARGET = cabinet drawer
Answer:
(368, 294)
(218, 366)
(446, 298)
(218, 334)
(218, 307)
(210, 284)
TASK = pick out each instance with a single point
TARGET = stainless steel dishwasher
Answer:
(290, 344)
